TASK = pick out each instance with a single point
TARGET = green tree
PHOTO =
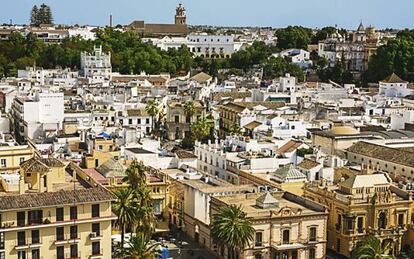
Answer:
(189, 110)
(125, 211)
(41, 15)
(323, 34)
(140, 247)
(231, 228)
(397, 56)
(235, 129)
(152, 110)
(371, 248)
(202, 128)
(293, 37)
(34, 16)
(276, 67)
(135, 175)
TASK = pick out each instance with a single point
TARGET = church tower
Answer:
(180, 15)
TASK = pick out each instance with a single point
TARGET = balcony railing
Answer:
(96, 254)
(66, 239)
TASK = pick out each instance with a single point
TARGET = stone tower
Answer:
(180, 15)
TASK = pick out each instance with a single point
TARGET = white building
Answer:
(97, 65)
(201, 45)
(298, 57)
(51, 77)
(35, 117)
(85, 33)
(394, 86)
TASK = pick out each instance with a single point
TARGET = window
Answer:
(95, 210)
(21, 255)
(59, 214)
(21, 238)
(312, 234)
(147, 121)
(130, 121)
(73, 232)
(312, 253)
(96, 248)
(360, 224)
(35, 237)
(35, 217)
(73, 212)
(21, 218)
(176, 119)
(294, 254)
(60, 233)
(401, 219)
(36, 254)
(100, 147)
(258, 256)
(258, 239)
(60, 252)
(286, 236)
(21, 160)
(138, 121)
(382, 221)
(74, 251)
(2, 255)
(339, 222)
(96, 229)
(3, 162)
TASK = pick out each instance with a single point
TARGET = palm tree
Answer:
(189, 110)
(202, 128)
(371, 248)
(125, 210)
(140, 248)
(135, 175)
(152, 110)
(231, 227)
(235, 129)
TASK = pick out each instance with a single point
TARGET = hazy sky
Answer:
(276, 13)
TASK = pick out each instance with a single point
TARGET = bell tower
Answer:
(180, 15)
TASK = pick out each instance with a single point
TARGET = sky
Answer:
(275, 13)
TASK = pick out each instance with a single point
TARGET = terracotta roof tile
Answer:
(47, 199)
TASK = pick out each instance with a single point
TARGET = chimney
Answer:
(42, 184)
(21, 185)
(110, 21)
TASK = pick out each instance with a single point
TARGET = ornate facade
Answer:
(364, 205)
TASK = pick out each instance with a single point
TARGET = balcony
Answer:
(94, 236)
(76, 255)
(96, 254)
(22, 244)
(66, 239)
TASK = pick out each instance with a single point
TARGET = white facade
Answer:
(54, 77)
(96, 66)
(201, 45)
(85, 33)
(399, 89)
(299, 57)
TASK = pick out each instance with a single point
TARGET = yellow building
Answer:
(103, 148)
(12, 156)
(287, 226)
(363, 205)
(48, 211)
